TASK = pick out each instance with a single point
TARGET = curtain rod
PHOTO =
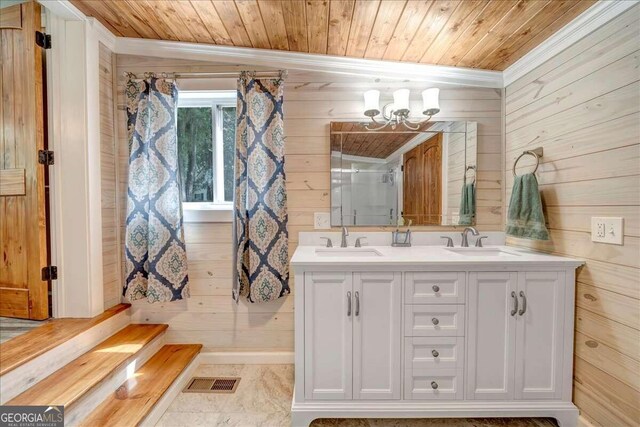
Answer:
(282, 74)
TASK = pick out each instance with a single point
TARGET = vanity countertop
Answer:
(426, 256)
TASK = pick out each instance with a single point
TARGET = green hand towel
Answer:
(467, 204)
(526, 218)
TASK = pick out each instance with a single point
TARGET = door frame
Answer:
(73, 121)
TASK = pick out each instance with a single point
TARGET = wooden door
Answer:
(377, 335)
(412, 193)
(539, 335)
(432, 180)
(23, 219)
(328, 321)
(491, 335)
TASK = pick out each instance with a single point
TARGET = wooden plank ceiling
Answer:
(487, 34)
(354, 139)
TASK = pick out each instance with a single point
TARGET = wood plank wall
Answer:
(112, 281)
(583, 107)
(312, 101)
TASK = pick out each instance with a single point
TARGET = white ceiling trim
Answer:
(587, 22)
(64, 9)
(311, 62)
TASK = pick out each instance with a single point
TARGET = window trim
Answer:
(218, 210)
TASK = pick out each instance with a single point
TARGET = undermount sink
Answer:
(480, 252)
(347, 252)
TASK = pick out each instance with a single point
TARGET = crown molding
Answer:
(104, 36)
(587, 22)
(311, 62)
(64, 9)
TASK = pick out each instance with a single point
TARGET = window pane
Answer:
(228, 149)
(195, 154)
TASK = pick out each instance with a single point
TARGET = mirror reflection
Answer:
(397, 176)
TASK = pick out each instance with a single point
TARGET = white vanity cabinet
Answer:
(515, 335)
(352, 330)
(431, 339)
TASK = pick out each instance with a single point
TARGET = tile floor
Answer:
(10, 328)
(263, 398)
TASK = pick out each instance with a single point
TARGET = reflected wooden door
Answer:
(412, 194)
(432, 180)
(23, 217)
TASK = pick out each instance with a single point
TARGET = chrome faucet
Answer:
(345, 233)
(465, 239)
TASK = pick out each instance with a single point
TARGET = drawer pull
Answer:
(434, 385)
(435, 353)
(435, 288)
(435, 321)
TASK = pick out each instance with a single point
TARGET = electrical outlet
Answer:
(607, 230)
(321, 220)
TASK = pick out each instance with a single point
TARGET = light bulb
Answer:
(372, 103)
(430, 101)
(401, 101)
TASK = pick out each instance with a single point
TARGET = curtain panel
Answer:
(156, 261)
(260, 226)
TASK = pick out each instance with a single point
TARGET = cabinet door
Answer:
(377, 335)
(328, 314)
(539, 335)
(491, 335)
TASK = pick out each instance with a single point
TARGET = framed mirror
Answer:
(393, 176)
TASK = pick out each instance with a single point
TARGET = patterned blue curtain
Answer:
(260, 228)
(156, 262)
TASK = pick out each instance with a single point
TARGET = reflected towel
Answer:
(467, 204)
(526, 218)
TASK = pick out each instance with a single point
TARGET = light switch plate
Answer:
(607, 230)
(321, 220)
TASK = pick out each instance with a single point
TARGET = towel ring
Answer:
(537, 153)
(473, 168)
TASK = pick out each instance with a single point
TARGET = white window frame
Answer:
(219, 210)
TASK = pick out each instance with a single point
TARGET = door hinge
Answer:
(45, 157)
(50, 272)
(43, 40)
(402, 168)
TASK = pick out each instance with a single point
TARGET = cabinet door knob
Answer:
(435, 288)
(435, 353)
(434, 385)
(435, 321)
(348, 304)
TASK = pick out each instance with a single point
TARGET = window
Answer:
(206, 144)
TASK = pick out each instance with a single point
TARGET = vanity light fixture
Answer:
(398, 112)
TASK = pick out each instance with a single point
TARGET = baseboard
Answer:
(246, 358)
(584, 421)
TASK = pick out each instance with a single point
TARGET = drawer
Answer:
(427, 384)
(434, 288)
(434, 353)
(434, 320)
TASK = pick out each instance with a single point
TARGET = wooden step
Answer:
(21, 349)
(68, 384)
(134, 399)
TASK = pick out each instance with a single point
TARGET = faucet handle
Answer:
(479, 241)
(358, 243)
(329, 243)
(449, 241)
